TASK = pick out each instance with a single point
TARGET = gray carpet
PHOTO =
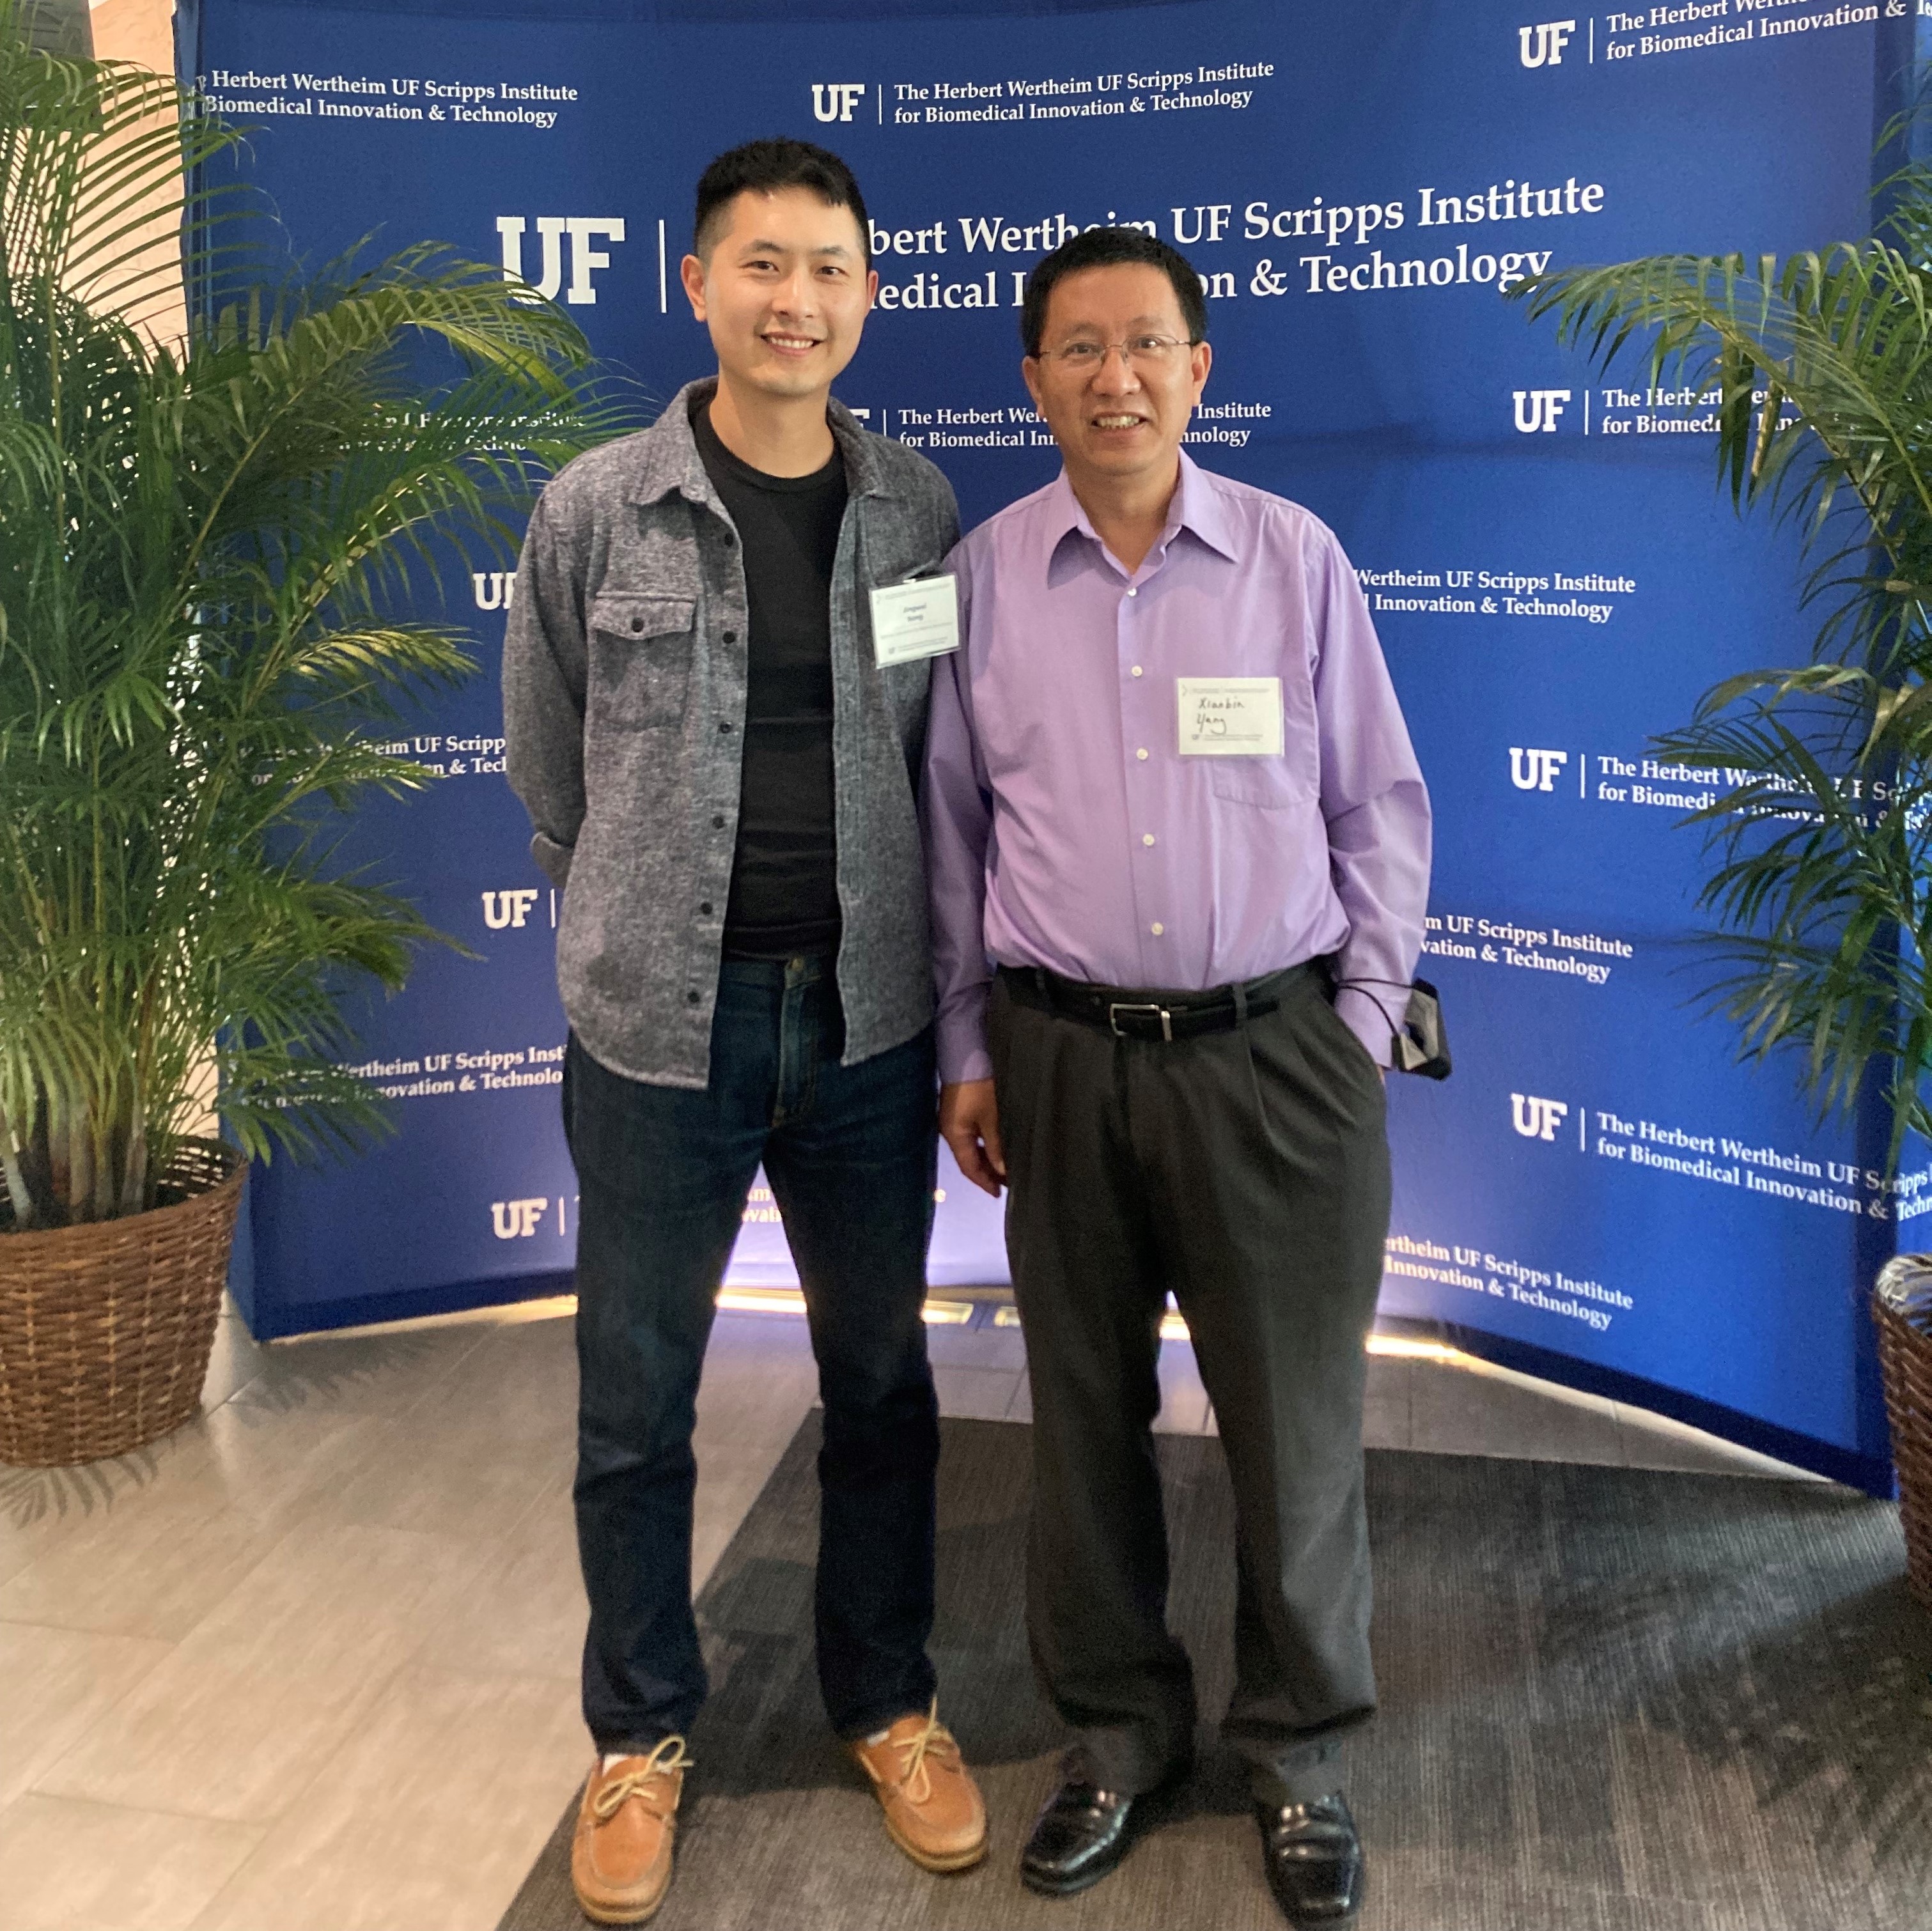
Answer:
(1612, 1700)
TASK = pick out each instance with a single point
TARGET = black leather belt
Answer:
(1128, 1013)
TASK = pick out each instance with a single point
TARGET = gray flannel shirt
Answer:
(624, 677)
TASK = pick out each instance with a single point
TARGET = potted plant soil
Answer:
(196, 538)
(1820, 882)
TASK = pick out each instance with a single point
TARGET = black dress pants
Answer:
(1247, 1173)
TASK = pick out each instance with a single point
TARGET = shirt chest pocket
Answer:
(641, 643)
(1283, 783)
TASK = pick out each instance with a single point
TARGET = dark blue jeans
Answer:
(664, 1173)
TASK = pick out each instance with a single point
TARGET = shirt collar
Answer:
(669, 462)
(1196, 506)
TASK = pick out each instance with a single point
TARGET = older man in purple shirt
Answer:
(1179, 853)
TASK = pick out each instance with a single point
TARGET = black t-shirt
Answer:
(785, 873)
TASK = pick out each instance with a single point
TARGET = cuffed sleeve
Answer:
(956, 817)
(545, 672)
(1374, 803)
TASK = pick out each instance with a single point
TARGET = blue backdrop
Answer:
(1601, 1193)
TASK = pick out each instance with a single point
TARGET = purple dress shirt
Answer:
(1064, 828)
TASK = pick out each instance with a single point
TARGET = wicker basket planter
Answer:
(1902, 1305)
(105, 1328)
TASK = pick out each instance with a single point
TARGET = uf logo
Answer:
(834, 101)
(1535, 1118)
(496, 590)
(501, 909)
(1534, 770)
(1538, 409)
(516, 1219)
(1543, 46)
(583, 230)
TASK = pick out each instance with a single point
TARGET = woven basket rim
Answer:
(234, 1165)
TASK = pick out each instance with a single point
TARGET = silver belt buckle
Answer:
(1159, 1012)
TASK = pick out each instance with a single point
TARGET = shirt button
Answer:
(704, 905)
(692, 998)
(718, 821)
(730, 637)
(1142, 753)
(1157, 928)
(1131, 591)
(1146, 837)
(637, 623)
(724, 725)
(1138, 672)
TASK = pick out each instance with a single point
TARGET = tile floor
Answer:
(246, 1676)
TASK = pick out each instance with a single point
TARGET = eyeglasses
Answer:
(1149, 355)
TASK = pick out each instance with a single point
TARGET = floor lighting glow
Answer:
(789, 1300)
(1174, 1327)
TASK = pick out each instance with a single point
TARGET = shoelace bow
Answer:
(668, 1757)
(933, 1739)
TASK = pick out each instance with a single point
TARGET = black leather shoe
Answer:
(1314, 1859)
(1084, 1831)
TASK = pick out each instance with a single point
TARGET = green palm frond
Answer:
(200, 545)
(1820, 369)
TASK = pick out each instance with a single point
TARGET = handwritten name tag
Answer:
(920, 618)
(1230, 717)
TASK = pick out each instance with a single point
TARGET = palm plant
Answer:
(197, 540)
(1820, 369)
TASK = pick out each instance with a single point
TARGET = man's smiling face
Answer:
(1123, 420)
(784, 289)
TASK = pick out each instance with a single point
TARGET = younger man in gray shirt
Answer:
(720, 759)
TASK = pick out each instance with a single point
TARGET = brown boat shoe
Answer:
(620, 1857)
(934, 1811)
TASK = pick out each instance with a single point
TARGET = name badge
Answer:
(920, 618)
(1230, 717)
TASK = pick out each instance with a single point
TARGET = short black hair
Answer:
(1103, 248)
(764, 167)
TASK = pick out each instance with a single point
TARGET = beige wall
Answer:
(140, 30)
(143, 31)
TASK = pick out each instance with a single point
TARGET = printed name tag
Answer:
(1230, 717)
(920, 618)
